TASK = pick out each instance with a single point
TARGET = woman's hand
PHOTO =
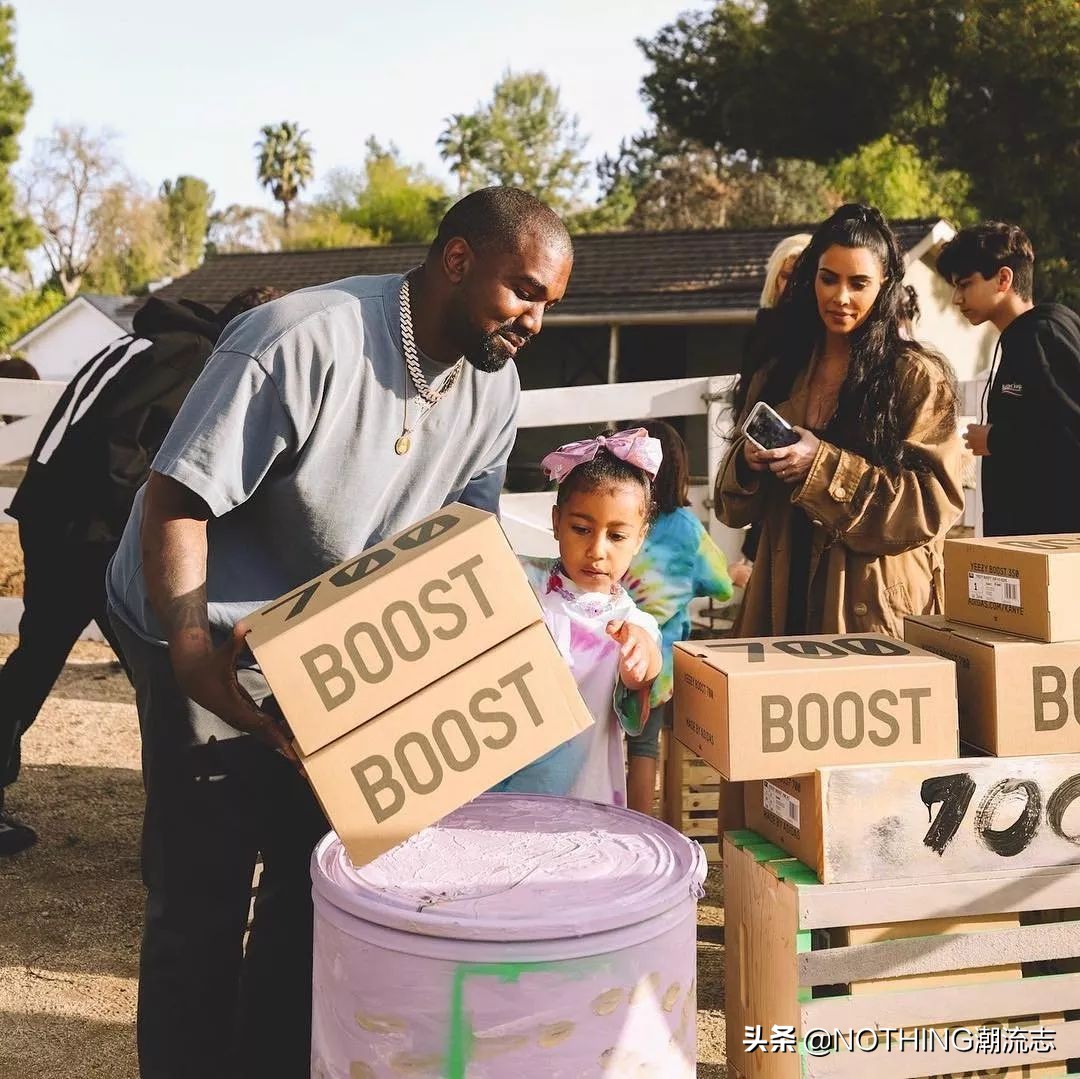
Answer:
(792, 463)
(756, 460)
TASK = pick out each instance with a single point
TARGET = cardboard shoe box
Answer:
(1027, 585)
(772, 707)
(1015, 696)
(787, 812)
(369, 633)
(424, 757)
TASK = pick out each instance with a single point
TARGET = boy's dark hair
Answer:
(606, 470)
(671, 487)
(984, 249)
(18, 367)
(255, 296)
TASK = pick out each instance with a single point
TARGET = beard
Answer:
(488, 353)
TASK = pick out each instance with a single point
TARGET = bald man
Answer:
(323, 423)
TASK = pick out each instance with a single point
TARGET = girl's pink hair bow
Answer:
(634, 446)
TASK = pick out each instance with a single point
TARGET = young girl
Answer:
(600, 518)
(677, 562)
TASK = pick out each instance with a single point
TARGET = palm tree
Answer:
(284, 163)
(461, 146)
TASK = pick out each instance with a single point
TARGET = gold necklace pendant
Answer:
(403, 445)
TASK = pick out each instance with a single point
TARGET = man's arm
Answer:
(174, 554)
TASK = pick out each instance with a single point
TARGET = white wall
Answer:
(968, 348)
(71, 337)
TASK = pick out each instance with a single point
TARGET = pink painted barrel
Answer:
(522, 936)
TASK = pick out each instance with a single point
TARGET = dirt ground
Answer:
(70, 908)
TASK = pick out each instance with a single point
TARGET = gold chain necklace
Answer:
(429, 397)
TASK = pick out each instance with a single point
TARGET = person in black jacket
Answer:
(1030, 440)
(92, 455)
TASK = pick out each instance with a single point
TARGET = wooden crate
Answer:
(789, 963)
(690, 793)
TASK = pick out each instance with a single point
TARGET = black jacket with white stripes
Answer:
(97, 445)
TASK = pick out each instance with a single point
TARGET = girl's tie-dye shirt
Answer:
(677, 562)
(590, 765)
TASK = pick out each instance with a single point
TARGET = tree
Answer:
(893, 176)
(22, 310)
(66, 180)
(986, 88)
(239, 228)
(187, 201)
(17, 231)
(395, 202)
(130, 248)
(320, 227)
(284, 164)
(522, 138)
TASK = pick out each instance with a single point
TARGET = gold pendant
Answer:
(402, 445)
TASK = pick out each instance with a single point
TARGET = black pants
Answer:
(216, 799)
(64, 591)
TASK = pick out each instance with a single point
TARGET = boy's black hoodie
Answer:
(1031, 479)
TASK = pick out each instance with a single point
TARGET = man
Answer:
(322, 424)
(1030, 442)
(93, 453)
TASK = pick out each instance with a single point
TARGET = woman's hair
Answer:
(867, 418)
(672, 484)
(785, 249)
(607, 470)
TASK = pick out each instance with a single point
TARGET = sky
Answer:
(188, 91)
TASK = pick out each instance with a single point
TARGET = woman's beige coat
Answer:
(876, 552)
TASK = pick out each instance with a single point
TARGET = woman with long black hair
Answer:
(854, 513)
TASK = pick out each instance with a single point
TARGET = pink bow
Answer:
(634, 446)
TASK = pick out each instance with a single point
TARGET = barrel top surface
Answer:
(518, 867)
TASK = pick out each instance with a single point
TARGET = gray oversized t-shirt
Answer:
(288, 436)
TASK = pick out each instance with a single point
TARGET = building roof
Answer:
(121, 309)
(701, 274)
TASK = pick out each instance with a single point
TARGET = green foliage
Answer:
(284, 163)
(17, 231)
(187, 201)
(20, 312)
(130, 242)
(242, 228)
(987, 92)
(321, 227)
(522, 138)
(393, 202)
(894, 176)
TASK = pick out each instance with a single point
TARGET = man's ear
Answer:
(1004, 279)
(457, 259)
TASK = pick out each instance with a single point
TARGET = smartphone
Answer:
(767, 429)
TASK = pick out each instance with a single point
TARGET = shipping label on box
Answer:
(1015, 696)
(1025, 585)
(772, 707)
(786, 812)
(365, 635)
(424, 757)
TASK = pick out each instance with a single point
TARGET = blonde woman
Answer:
(778, 271)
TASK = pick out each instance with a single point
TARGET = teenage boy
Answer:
(1030, 442)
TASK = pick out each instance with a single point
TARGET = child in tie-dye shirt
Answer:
(677, 562)
(600, 519)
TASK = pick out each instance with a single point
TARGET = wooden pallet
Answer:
(690, 796)
(851, 956)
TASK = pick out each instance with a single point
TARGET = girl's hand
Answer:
(792, 463)
(639, 660)
(756, 460)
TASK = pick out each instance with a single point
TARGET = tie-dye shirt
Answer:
(677, 562)
(590, 765)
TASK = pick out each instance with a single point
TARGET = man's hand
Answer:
(639, 658)
(977, 439)
(208, 677)
(792, 463)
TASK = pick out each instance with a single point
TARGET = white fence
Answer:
(526, 517)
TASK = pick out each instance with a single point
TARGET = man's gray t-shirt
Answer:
(288, 436)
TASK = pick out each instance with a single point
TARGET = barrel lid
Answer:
(518, 867)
